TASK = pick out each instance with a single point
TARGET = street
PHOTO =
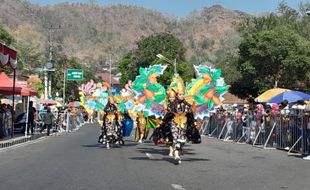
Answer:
(75, 161)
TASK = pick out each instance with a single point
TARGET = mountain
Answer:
(93, 32)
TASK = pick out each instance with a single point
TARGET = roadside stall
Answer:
(8, 57)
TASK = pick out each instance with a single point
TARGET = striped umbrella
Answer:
(266, 96)
(74, 104)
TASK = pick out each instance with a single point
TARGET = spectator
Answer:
(307, 138)
(48, 121)
(38, 119)
(2, 120)
(31, 114)
(238, 119)
(8, 121)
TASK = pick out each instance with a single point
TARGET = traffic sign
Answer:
(74, 74)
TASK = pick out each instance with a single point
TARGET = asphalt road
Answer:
(75, 161)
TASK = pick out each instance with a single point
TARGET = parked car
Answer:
(20, 123)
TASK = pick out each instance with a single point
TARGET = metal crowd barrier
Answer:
(64, 121)
(272, 129)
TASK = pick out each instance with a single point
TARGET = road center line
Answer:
(150, 156)
(177, 186)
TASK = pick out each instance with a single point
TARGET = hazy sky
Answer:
(182, 8)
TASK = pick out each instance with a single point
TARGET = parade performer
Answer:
(111, 130)
(149, 98)
(178, 118)
(166, 124)
(141, 130)
(126, 105)
(183, 120)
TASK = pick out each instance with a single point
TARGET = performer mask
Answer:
(171, 95)
(181, 95)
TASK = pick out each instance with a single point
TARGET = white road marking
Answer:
(150, 156)
(177, 186)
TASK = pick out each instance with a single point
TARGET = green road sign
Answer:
(74, 74)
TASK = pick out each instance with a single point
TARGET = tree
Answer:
(123, 68)
(35, 82)
(7, 39)
(72, 87)
(30, 44)
(145, 55)
(272, 53)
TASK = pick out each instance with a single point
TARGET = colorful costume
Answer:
(141, 130)
(150, 95)
(111, 128)
(206, 90)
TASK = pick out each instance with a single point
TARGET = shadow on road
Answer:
(164, 151)
(98, 145)
(92, 145)
(161, 154)
(171, 160)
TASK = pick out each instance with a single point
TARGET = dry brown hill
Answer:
(92, 32)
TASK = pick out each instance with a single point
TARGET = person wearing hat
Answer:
(110, 130)
(163, 132)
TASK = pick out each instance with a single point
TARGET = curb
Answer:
(19, 140)
(23, 139)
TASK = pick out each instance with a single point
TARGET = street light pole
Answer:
(64, 89)
(49, 66)
(174, 63)
(110, 72)
(45, 84)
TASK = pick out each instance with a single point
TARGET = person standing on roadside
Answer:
(48, 121)
(31, 115)
(8, 121)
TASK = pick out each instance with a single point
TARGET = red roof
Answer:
(6, 87)
(232, 99)
(105, 76)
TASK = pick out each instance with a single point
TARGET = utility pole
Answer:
(175, 65)
(50, 64)
(110, 71)
(64, 89)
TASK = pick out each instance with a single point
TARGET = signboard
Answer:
(74, 74)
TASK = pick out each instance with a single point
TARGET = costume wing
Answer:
(150, 95)
(206, 90)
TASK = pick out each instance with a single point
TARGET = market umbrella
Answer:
(48, 102)
(6, 85)
(6, 101)
(290, 96)
(74, 104)
(58, 104)
(266, 96)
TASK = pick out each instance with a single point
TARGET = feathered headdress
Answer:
(177, 84)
